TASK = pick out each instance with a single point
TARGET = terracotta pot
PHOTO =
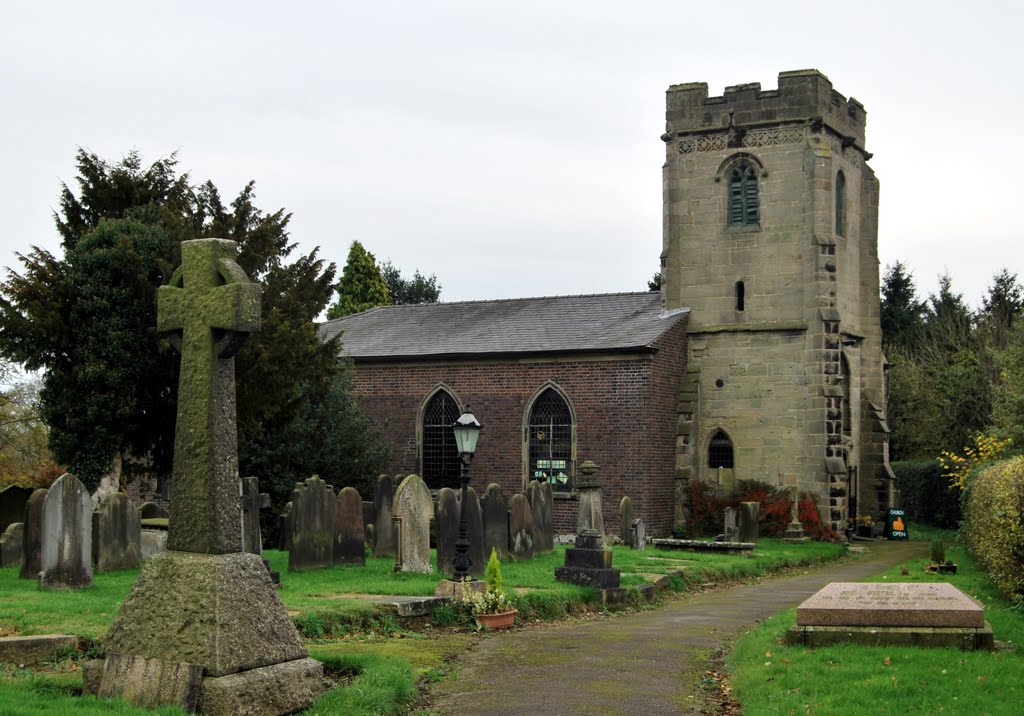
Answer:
(504, 620)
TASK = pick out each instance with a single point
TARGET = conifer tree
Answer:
(902, 314)
(361, 287)
(409, 291)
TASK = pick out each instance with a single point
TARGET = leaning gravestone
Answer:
(413, 508)
(625, 517)
(494, 506)
(12, 505)
(638, 534)
(349, 535)
(32, 536)
(446, 529)
(312, 517)
(521, 530)
(205, 602)
(66, 557)
(383, 527)
(118, 534)
(541, 499)
(252, 502)
(750, 515)
(10, 545)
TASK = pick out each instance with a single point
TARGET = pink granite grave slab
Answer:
(898, 604)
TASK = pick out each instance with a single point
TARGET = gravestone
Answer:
(383, 526)
(749, 517)
(590, 518)
(10, 545)
(152, 542)
(369, 517)
(732, 529)
(349, 535)
(32, 536)
(252, 502)
(204, 601)
(521, 530)
(625, 517)
(911, 614)
(589, 563)
(152, 511)
(638, 534)
(312, 515)
(475, 533)
(12, 505)
(66, 556)
(414, 508)
(284, 528)
(540, 496)
(118, 534)
(446, 529)
(494, 506)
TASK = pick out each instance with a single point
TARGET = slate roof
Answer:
(613, 322)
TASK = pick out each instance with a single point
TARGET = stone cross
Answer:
(252, 502)
(214, 305)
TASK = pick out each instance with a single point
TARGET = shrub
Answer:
(937, 551)
(707, 503)
(994, 528)
(811, 520)
(926, 493)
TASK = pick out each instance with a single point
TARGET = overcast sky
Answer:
(511, 148)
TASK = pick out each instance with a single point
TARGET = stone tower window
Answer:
(551, 436)
(440, 454)
(840, 203)
(720, 451)
(743, 195)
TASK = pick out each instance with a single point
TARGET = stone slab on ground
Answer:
(149, 682)
(29, 650)
(966, 638)
(268, 691)
(403, 606)
(696, 545)
(898, 604)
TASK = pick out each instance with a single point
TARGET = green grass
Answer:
(769, 677)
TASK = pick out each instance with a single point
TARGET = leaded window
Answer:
(720, 451)
(743, 195)
(551, 441)
(440, 454)
(840, 203)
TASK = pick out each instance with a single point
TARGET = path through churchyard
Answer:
(645, 663)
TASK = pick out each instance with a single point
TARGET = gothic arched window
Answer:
(551, 435)
(440, 454)
(840, 203)
(743, 195)
(720, 451)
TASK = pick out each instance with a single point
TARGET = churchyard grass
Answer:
(769, 677)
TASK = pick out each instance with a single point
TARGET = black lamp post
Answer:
(467, 430)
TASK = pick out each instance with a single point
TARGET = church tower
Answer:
(771, 240)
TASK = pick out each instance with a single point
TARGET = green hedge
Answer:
(994, 528)
(925, 493)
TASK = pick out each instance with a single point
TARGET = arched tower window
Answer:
(840, 203)
(440, 454)
(720, 451)
(743, 195)
(551, 436)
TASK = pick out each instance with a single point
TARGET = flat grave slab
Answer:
(697, 545)
(899, 604)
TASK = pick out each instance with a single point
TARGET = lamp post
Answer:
(467, 430)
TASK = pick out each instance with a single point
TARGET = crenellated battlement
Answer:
(802, 95)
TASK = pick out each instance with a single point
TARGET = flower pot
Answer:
(504, 620)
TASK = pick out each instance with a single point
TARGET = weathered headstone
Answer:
(383, 527)
(475, 533)
(638, 534)
(252, 502)
(414, 508)
(590, 517)
(152, 511)
(750, 515)
(369, 517)
(66, 558)
(625, 517)
(285, 523)
(204, 601)
(312, 516)
(521, 530)
(541, 503)
(495, 512)
(10, 545)
(12, 505)
(152, 542)
(118, 534)
(732, 530)
(446, 528)
(349, 535)
(32, 536)
(589, 563)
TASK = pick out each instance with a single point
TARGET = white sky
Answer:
(511, 148)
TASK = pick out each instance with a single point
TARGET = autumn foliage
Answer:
(707, 504)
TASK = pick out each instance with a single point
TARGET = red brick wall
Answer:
(624, 406)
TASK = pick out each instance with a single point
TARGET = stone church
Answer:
(760, 358)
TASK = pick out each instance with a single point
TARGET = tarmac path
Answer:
(649, 662)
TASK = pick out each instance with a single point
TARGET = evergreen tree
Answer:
(410, 291)
(1001, 307)
(655, 283)
(361, 287)
(902, 314)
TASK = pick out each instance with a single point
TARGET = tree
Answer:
(1001, 307)
(25, 458)
(361, 287)
(410, 291)
(902, 315)
(655, 283)
(86, 318)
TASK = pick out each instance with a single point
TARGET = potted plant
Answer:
(492, 609)
(865, 526)
(939, 563)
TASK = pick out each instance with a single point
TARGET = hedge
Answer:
(925, 493)
(994, 528)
